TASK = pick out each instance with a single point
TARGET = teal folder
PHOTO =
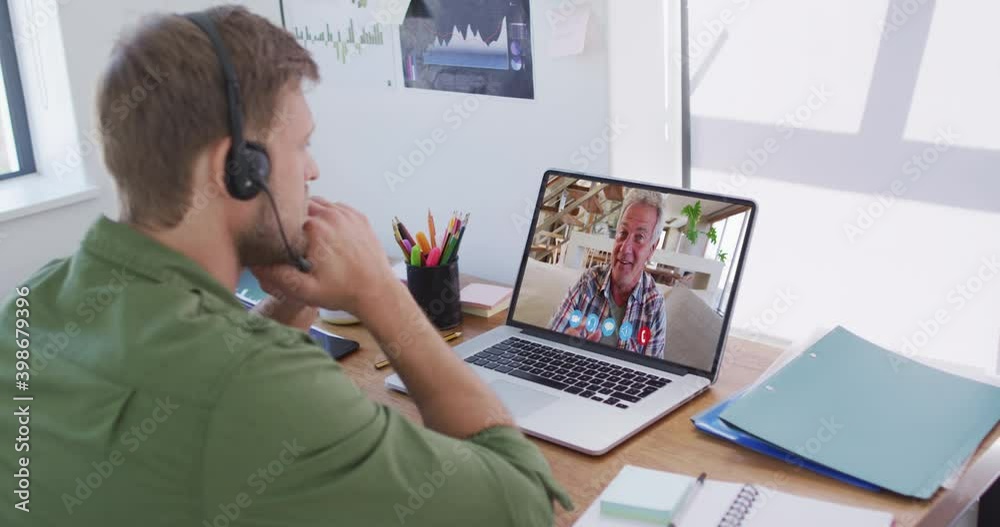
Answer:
(857, 408)
(248, 289)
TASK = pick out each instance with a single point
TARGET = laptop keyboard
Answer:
(608, 383)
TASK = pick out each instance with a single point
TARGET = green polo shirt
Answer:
(158, 400)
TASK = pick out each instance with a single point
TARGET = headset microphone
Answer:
(248, 165)
(298, 260)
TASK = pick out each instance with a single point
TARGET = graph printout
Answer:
(469, 46)
(346, 39)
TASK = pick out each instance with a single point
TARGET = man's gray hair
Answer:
(656, 200)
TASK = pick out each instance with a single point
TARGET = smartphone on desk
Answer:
(335, 345)
(249, 292)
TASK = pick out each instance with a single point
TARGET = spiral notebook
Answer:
(723, 504)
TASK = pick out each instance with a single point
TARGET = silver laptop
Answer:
(620, 311)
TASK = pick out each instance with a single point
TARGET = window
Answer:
(16, 155)
(729, 232)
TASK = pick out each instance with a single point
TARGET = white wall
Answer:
(491, 160)
(873, 83)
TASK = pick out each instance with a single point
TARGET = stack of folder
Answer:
(849, 409)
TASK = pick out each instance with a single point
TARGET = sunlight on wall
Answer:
(778, 50)
(959, 82)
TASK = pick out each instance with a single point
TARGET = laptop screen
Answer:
(632, 270)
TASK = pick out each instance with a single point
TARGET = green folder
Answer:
(645, 495)
(863, 410)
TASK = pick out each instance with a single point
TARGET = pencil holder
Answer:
(436, 290)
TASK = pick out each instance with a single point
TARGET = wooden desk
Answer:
(673, 443)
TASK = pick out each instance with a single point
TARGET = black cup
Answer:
(436, 290)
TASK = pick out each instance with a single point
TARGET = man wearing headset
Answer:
(160, 401)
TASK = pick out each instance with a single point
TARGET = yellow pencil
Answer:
(430, 227)
(382, 361)
(399, 238)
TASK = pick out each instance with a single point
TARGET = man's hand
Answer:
(350, 270)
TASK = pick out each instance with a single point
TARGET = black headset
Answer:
(248, 167)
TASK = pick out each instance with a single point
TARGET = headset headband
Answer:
(228, 74)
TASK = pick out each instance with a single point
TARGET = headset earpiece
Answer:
(248, 169)
(258, 161)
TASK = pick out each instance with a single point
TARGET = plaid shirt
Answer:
(644, 309)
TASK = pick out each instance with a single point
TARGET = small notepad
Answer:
(484, 295)
(644, 495)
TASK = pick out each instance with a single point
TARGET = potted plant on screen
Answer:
(691, 232)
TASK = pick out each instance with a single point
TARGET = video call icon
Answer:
(575, 318)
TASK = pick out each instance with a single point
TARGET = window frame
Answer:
(15, 98)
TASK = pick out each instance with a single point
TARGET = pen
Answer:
(687, 500)
(425, 246)
(382, 361)
(405, 233)
(434, 257)
(416, 257)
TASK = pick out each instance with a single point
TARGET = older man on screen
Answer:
(618, 304)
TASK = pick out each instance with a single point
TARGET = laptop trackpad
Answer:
(521, 400)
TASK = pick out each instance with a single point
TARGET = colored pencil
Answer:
(431, 229)
(399, 239)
